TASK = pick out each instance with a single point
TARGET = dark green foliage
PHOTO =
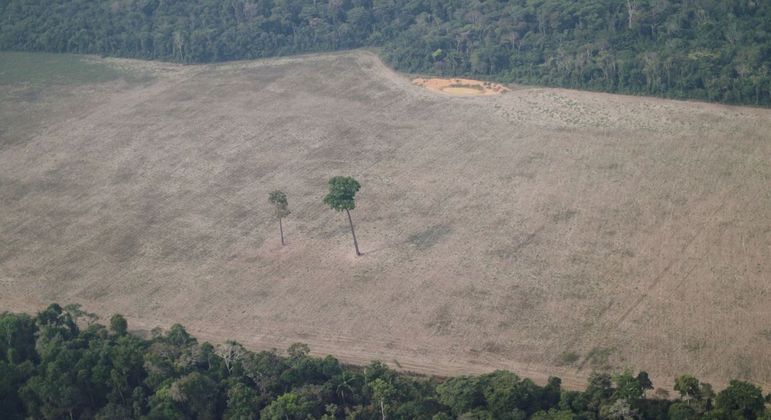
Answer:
(54, 370)
(575, 402)
(682, 411)
(289, 406)
(687, 386)
(741, 400)
(718, 50)
(342, 193)
(280, 203)
(461, 394)
(644, 381)
(653, 408)
(553, 415)
(508, 397)
(697, 395)
(80, 372)
(17, 338)
(12, 377)
(195, 395)
(628, 388)
(599, 390)
(243, 403)
(342, 196)
(118, 325)
(382, 393)
(54, 324)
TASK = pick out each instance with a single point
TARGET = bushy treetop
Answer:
(342, 193)
(280, 203)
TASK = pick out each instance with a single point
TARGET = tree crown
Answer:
(118, 324)
(279, 201)
(342, 193)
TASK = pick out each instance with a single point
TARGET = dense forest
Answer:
(51, 368)
(717, 50)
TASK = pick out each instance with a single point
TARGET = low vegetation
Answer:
(52, 368)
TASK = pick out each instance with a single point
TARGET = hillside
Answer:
(545, 231)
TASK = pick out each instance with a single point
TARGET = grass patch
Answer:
(568, 358)
(695, 346)
(598, 358)
(493, 347)
(441, 321)
(564, 215)
(45, 69)
(429, 237)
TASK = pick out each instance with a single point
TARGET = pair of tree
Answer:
(341, 196)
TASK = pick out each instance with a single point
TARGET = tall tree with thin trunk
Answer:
(342, 194)
(281, 206)
(382, 392)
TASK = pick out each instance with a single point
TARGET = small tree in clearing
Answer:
(278, 199)
(342, 195)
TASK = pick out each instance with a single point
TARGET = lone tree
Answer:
(278, 199)
(342, 193)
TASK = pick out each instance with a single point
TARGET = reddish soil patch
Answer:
(461, 87)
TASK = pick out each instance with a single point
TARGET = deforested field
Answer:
(545, 231)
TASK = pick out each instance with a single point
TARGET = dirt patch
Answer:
(461, 87)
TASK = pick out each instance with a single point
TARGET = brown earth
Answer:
(499, 232)
(461, 87)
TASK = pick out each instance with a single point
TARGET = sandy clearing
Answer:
(461, 87)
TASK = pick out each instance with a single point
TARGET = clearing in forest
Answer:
(546, 231)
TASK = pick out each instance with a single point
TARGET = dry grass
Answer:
(499, 232)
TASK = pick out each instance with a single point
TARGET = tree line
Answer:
(716, 50)
(61, 364)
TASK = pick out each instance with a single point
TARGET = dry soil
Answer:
(513, 231)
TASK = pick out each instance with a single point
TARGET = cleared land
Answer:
(461, 87)
(545, 231)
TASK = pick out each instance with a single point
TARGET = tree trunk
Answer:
(382, 409)
(355, 244)
(631, 9)
(281, 229)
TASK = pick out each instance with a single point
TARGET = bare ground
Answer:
(498, 232)
(461, 87)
